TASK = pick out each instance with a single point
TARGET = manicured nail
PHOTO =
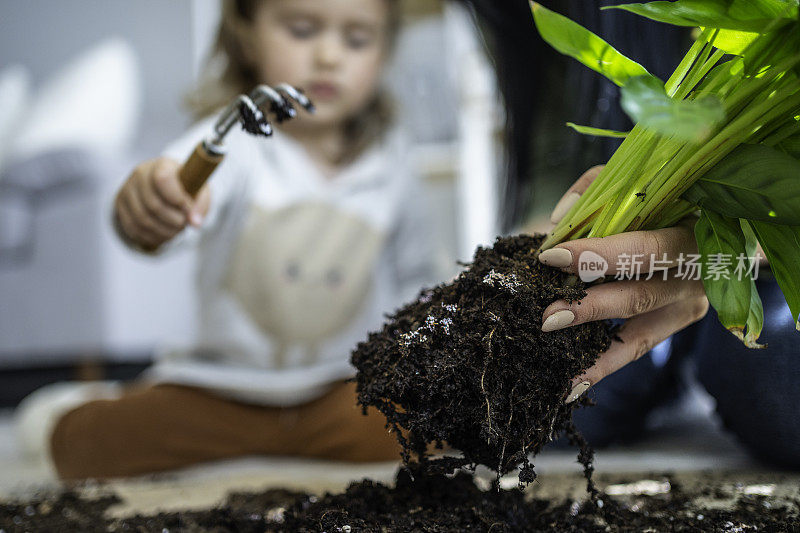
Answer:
(558, 320)
(556, 257)
(577, 391)
(196, 219)
(563, 205)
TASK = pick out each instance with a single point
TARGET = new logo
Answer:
(591, 266)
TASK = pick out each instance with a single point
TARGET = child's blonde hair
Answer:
(227, 73)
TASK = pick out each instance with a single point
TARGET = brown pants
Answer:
(164, 427)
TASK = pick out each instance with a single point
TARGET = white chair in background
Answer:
(449, 102)
(92, 104)
(480, 120)
(15, 89)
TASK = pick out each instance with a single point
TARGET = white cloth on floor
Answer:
(37, 415)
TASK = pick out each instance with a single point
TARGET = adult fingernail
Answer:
(196, 219)
(563, 205)
(577, 391)
(556, 257)
(558, 320)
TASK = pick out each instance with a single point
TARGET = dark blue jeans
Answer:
(757, 391)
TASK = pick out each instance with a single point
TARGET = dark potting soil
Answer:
(433, 503)
(467, 363)
(253, 119)
(255, 122)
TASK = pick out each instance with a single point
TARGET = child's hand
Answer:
(152, 206)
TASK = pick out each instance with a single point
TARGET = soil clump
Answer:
(467, 363)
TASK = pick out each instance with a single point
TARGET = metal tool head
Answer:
(281, 99)
(291, 93)
(248, 109)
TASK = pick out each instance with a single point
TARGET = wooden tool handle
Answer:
(198, 168)
(193, 175)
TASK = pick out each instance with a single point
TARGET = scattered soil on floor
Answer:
(467, 363)
(432, 503)
(67, 511)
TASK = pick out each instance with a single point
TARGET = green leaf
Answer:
(770, 49)
(785, 138)
(733, 41)
(574, 40)
(781, 244)
(742, 15)
(755, 317)
(597, 132)
(791, 146)
(645, 100)
(755, 182)
(728, 73)
(720, 241)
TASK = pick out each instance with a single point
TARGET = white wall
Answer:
(43, 34)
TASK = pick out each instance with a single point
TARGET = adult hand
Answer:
(655, 308)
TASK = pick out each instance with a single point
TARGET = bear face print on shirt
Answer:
(302, 273)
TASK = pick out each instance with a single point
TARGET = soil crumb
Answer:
(467, 364)
(253, 119)
(433, 503)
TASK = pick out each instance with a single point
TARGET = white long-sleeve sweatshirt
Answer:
(294, 269)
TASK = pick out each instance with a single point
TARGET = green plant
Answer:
(721, 135)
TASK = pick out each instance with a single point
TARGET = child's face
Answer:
(332, 49)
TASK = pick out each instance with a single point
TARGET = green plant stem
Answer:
(722, 144)
(676, 212)
(612, 177)
(702, 67)
(682, 169)
(722, 82)
(687, 62)
(693, 67)
(671, 181)
(660, 168)
(668, 152)
(748, 123)
(635, 168)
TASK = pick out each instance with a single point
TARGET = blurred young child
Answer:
(304, 239)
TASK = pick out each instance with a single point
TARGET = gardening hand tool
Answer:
(246, 109)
